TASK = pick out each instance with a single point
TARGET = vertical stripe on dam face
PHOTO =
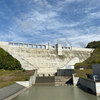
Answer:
(42, 92)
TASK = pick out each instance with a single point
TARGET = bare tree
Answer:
(82, 44)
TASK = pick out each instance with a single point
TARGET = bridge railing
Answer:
(28, 45)
(36, 45)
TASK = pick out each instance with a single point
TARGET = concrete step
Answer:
(62, 79)
(45, 80)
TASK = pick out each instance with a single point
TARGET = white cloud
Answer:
(84, 39)
(94, 15)
(77, 41)
(44, 21)
(79, 38)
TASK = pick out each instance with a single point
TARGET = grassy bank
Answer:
(82, 73)
(93, 59)
(8, 77)
(87, 64)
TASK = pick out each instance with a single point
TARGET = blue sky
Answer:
(54, 21)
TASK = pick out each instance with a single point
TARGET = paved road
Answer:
(10, 90)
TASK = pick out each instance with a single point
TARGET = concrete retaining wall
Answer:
(96, 69)
(88, 83)
(65, 72)
(33, 78)
(30, 82)
(98, 88)
(75, 80)
(9, 92)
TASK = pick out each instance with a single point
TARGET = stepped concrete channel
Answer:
(53, 80)
(46, 60)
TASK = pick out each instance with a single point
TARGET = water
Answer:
(55, 93)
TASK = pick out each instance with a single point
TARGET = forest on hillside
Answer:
(8, 62)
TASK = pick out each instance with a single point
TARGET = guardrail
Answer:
(28, 45)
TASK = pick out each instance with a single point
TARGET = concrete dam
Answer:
(46, 58)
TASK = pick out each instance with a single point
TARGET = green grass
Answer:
(8, 62)
(3, 84)
(93, 59)
(8, 77)
(94, 44)
(82, 73)
(87, 64)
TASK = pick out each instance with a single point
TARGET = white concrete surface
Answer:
(71, 63)
(75, 80)
(59, 49)
(33, 79)
(98, 88)
(45, 60)
(24, 83)
(82, 49)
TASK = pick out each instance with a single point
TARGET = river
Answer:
(55, 93)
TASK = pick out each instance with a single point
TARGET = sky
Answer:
(70, 22)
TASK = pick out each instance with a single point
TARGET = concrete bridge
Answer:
(46, 58)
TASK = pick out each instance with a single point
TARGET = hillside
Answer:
(8, 77)
(93, 59)
(94, 44)
(87, 64)
(7, 62)
(10, 70)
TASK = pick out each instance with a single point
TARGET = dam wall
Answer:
(45, 58)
